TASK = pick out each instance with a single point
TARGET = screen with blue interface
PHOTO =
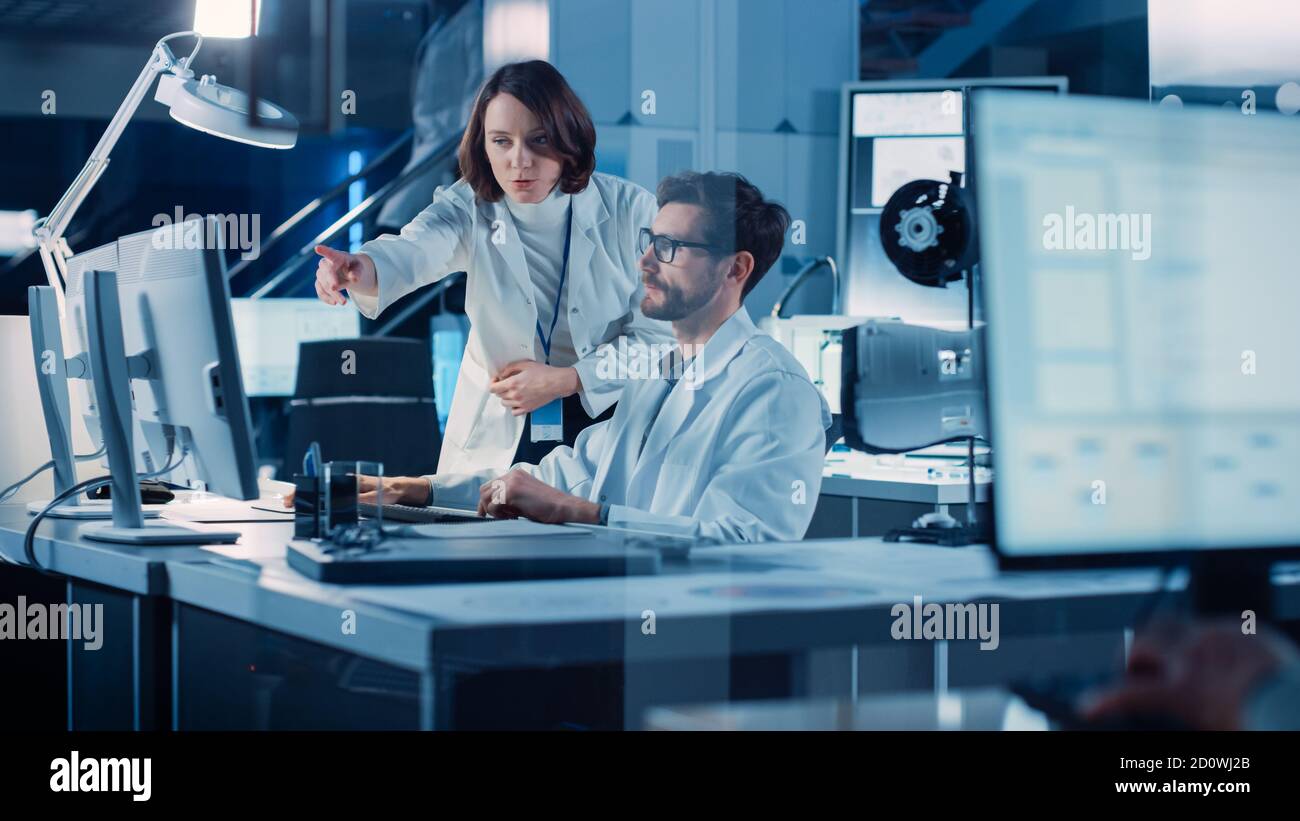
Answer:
(1142, 292)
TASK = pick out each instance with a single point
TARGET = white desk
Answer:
(823, 604)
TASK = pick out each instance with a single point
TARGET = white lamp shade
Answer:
(208, 106)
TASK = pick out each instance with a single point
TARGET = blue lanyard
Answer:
(559, 293)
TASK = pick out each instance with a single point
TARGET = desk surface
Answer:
(722, 601)
(731, 600)
(982, 709)
(59, 547)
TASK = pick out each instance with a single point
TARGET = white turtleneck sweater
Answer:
(541, 230)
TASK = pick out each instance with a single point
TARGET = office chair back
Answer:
(366, 399)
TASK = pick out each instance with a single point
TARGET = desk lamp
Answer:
(199, 103)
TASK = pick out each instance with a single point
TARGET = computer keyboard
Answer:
(415, 514)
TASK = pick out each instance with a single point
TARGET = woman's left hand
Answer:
(525, 385)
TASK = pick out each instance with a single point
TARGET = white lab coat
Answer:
(738, 458)
(455, 233)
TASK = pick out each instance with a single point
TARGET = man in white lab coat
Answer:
(724, 437)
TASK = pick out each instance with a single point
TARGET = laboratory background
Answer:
(1015, 392)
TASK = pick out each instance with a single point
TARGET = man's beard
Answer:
(677, 304)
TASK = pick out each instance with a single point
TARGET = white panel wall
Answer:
(666, 59)
(739, 85)
(589, 45)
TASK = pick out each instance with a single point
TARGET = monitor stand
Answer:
(110, 374)
(973, 532)
(82, 508)
(52, 375)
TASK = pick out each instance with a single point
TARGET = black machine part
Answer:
(927, 230)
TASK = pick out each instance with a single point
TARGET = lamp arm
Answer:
(49, 231)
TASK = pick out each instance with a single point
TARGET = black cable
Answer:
(29, 538)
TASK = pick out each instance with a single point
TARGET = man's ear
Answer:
(742, 266)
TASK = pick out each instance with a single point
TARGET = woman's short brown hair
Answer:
(569, 131)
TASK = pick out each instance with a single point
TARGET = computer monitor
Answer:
(162, 348)
(893, 132)
(67, 396)
(1240, 55)
(153, 435)
(1140, 285)
(175, 304)
(269, 332)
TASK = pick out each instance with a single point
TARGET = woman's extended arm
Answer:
(429, 247)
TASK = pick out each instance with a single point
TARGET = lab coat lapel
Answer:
(721, 348)
(676, 408)
(588, 213)
(511, 249)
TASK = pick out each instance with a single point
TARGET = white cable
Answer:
(8, 492)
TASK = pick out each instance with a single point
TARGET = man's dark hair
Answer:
(570, 134)
(737, 218)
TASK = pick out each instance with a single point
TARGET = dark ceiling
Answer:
(104, 20)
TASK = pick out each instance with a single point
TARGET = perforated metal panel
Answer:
(103, 258)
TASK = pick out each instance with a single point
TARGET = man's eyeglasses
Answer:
(666, 247)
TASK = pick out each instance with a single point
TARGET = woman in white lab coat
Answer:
(549, 248)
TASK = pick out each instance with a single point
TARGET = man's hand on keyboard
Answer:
(518, 494)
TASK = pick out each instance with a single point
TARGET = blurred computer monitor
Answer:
(1208, 52)
(893, 132)
(269, 332)
(1140, 285)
